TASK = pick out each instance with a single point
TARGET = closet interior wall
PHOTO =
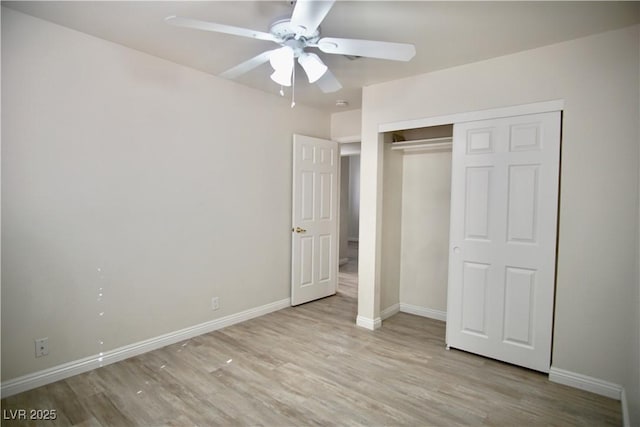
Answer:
(415, 234)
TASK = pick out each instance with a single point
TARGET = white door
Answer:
(314, 271)
(504, 204)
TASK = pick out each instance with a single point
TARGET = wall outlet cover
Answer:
(42, 347)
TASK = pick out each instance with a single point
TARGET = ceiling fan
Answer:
(295, 35)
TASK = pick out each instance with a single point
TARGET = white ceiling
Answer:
(445, 34)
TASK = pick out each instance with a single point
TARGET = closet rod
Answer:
(424, 144)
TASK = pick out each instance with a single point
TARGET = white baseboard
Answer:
(371, 324)
(423, 311)
(626, 421)
(389, 311)
(404, 308)
(594, 385)
(583, 382)
(66, 370)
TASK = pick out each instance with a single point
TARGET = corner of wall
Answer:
(631, 406)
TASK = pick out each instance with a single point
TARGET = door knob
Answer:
(456, 250)
(299, 230)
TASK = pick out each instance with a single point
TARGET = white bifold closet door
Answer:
(504, 205)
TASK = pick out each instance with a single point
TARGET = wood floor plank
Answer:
(310, 365)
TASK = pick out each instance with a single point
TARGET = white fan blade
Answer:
(367, 48)
(219, 28)
(328, 83)
(247, 66)
(308, 14)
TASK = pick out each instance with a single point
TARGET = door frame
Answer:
(350, 151)
(472, 116)
(370, 260)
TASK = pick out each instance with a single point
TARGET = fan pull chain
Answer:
(281, 90)
(293, 88)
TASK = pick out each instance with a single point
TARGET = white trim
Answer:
(512, 111)
(626, 421)
(348, 139)
(423, 311)
(66, 370)
(390, 311)
(584, 382)
(348, 149)
(371, 324)
(413, 309)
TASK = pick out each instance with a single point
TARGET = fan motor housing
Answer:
(284, 30)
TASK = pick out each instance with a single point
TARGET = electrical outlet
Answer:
(215, 303)
(42, 347)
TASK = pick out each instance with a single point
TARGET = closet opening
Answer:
(467, 236)
(416, 210)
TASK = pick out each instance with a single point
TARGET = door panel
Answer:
(504, 199)
(326, 196)
(518, 308)
(474, 298)
(307, 205)
(523, 203)
(325, 257)
(477, 203)
(306, 261)
(314, 221)
(480, 141)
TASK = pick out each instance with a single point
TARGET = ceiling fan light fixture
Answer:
(282, 78)
(294, 34)
(282, 62)
(312, 65)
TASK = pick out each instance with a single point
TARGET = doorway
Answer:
(349, 218)
(416, 187)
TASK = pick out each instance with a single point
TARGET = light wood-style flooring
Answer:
(310, 365)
